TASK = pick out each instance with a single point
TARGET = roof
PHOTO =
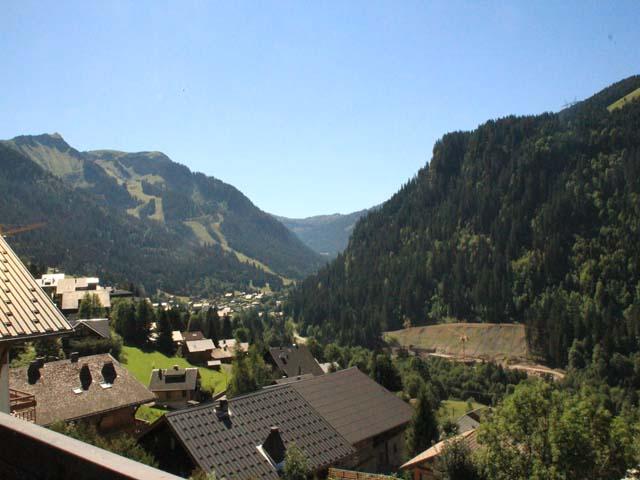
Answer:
(283, 381)
(98, 325)
(190, 336)
(220, 354)
(469, 437)
(176, 336)
(467, 422)
(194, 346)
(229, 445)
(54, 390)
(232, 344)
(71, 300)
(354, 404)
(71, 284)
(25, 310)
(172, 379)
(295, 360)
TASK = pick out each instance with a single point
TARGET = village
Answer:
(184, 412)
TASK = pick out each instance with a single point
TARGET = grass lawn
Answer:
(149, 414)
(454, 409)
(140, 364)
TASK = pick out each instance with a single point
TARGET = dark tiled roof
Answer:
(190, 336)
(229, 445)
(54, 390)
(25, 310)
(354, 404)
(172, 379)
(98, 325)
(294, 361)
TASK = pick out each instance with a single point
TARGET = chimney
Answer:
(40, 361)
(223, 408)
(274, 446)
(74, 357)
(33, 372)
(85, 377)
(160, 373)
(176, 368)
(109, 372)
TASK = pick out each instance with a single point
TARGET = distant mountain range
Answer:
(328, 235)
(142, 217)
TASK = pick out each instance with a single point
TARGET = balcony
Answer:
(23, 405)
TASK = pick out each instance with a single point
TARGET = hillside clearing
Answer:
(624, 100)
(453, 409)
(489, 341)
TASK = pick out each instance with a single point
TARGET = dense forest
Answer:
(532, 219)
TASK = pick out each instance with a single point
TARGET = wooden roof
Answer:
(25, 310)
(469, 437)
(60, 395)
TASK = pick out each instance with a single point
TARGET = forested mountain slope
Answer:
(530, 219)
(82, 236)
(194, 208)
(327, 235)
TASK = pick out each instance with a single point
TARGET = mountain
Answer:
(532, 219)
(327, 235)
(187, 213)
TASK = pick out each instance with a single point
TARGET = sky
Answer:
(307, 107)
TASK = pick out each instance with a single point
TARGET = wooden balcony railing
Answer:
(23, 405)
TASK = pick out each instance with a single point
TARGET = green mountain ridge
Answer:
(327, 235)
(192, 210)
(531, 219)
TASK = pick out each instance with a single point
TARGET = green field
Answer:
(489, 341)
(454, 409)
(624, 100)
(140, 364)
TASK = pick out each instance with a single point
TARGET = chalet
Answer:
(198, 351)
(294, 360)
(179, 337)
(372, 419)
(26, 313)
(175, 387)
(227, 349)
(91, 327)
(422, 465)
(70, 291)
(95, 389)
(245, 437)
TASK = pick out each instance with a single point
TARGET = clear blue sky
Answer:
(308, 107)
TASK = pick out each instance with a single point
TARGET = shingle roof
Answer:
(98, 325)
(229, 445)
(25, 310)
(71, 300)
(354, 404)
(468, 437)
(295, 360)
(190, 336)
(54, 390)
(173, 380)
(199, 345)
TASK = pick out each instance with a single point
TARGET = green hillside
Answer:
(531, 219)
(327, 235)
(191, 207)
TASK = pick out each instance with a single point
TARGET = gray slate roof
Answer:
(229, 445)
(354, 404)
(173, 380)
(294, 361)
(98, 325)
(56, 399)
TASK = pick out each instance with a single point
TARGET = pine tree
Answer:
(165, 339)
(424, 428)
